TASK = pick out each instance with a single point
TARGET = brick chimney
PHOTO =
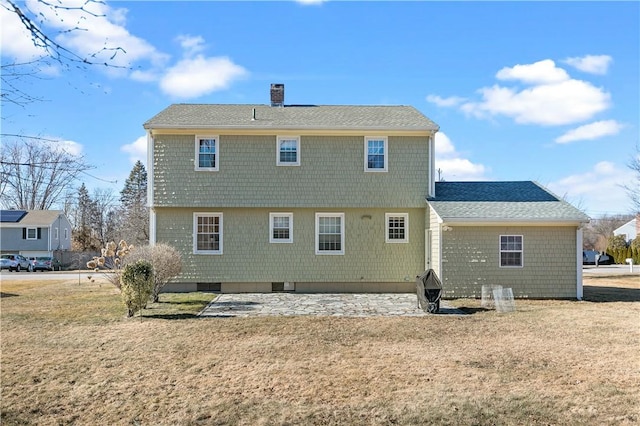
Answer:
(277, 95)
(637, 225)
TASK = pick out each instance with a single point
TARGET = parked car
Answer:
(15, 262)
(45, 263)
(589, 258)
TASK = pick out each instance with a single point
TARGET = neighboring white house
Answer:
(629, 230)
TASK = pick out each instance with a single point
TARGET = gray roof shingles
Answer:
(393, 117)
(524, 201)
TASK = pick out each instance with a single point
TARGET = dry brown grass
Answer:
(70, 357)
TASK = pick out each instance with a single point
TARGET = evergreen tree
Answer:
(82, 233)
(135, 214)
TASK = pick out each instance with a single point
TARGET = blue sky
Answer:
(544, 91)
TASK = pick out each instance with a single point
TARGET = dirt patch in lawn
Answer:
(70, 357)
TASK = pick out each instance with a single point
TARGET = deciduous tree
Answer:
(35, 174)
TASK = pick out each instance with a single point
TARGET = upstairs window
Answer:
(207, 153)
(375, 154)
(511, 250)
(280, 227)
(288, 151)
(207, 233)
(397, 227)
(32, 233)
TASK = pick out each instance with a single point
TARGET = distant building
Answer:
(33, 233)
(629, 230)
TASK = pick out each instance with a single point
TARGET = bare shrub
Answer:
(166, 261)
(110, 262)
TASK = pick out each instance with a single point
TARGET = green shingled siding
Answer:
(331, 174)
(470, 259)
(249, 257)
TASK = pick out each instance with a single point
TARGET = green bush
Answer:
(617, 246)
(635, 250)
(136, 285)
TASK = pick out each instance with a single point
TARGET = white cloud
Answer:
(591, 131)
(190, 44)
(599, 189)
(193, 77)
(451, 163)
(594, 64)
(137, 150)
(58, 144)
(445, 102)
(565, 102)
(539, 72)
(542, 93)
(15, 40)
(97, 32)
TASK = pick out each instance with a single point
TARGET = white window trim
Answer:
(35, 233)
(405, 216)
(197, 153)
(342, 223)
(56, 234)
(280, 240)
(66, 233)
(288, 138)
(196, 215)
(500, 251)
(366, 153)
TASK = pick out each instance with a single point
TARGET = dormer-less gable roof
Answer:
(33, 218)
(291, 117)
(521, 201)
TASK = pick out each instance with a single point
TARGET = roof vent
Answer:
(277, 95)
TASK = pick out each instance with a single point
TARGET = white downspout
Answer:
(432, 166)
(579, 290)
(150, 175)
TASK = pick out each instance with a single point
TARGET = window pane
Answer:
(396, 228)
(511, 258)
(288, 151)
(511, 250)
(329, 234)
(208, 229)
(375, 154)
(207, 153)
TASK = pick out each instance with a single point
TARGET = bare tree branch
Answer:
(34, 175)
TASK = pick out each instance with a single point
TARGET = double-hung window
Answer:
(207, 153)
(207, 233)
(280, 227)
(397, 228)
(288, 151)
(511, 250)
(375, 154)
(329, 233)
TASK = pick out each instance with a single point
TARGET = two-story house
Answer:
(34, 233)
(308, 198)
